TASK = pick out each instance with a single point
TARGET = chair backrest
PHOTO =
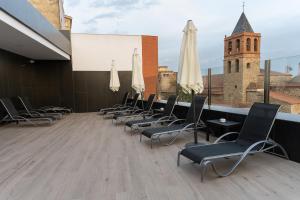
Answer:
(197, 106)
(9, 107)
(150, 102)
(25, 103)
(258, 123)
(170, 105)
(125, 98)
(135, 100)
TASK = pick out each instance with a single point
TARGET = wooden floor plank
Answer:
(84, 157)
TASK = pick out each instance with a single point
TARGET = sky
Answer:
(277, 20)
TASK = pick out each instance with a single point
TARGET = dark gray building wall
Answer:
(54, 83)
(44, 82)
(92, 91)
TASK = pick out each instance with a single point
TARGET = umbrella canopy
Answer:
(189, 73)
(137, 73)
(114, 83)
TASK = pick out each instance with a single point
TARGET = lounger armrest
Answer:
(188, 126)
(137, 110)
(156, 115)
(226, 134)
(38, 110)
(117, 105)
(36, 113)
(262, 149)
(163, 118)
(177, 120)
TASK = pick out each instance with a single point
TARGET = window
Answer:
(238, 45)
(248, 44)
(248, 65)
(255, 44)
(237, 65)
(229, 67)
(229, 47)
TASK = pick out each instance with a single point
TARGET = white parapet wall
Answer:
(94, 52)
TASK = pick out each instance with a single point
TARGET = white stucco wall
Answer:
(91, 52)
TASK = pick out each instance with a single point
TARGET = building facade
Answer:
(242, 83)
(166, 82)
(53, 10)
(241, 61)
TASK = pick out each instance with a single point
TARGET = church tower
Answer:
(241, 61)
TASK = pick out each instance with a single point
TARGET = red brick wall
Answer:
(150, 63)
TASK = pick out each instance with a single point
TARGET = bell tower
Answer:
(241, 61)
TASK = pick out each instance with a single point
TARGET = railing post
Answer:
(267, 81)
(209, 87)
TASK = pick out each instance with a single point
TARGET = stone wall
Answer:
(275, 80)
(50, 9)
(291, 91)
(166, 84)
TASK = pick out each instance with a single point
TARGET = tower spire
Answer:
(243, 6)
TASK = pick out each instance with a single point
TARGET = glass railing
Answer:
(240, 83)
(285, 83)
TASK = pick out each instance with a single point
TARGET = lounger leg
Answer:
(151, 142)
(203, 166)
(178, 158)
(285, 154)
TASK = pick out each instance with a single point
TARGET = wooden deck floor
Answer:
(84, 157)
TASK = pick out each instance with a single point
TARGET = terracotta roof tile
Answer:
(285, 98)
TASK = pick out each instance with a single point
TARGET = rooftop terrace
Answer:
(86, 157)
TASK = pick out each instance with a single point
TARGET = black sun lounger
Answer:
(123, 105)
(179, 126)
(49, 109)
(131, 108)
(14, 116)
(33, 113)
(138, 113)
(166, 116)
(253, 138)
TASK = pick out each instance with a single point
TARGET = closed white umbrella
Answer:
(137, 73)
(114, 83)
(189, 73)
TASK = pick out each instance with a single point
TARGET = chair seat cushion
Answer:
(133, 122)
(198, 153)
(149, 132)
(125, 114)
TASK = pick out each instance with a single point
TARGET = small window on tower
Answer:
(238, 45)
(248, 65)
(255, 44)
(229, 67)
(237, 65)
(248, 44)
(229, 47)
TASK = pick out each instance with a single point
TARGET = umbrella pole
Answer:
(194, 119)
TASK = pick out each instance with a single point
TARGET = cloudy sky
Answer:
(277, 20)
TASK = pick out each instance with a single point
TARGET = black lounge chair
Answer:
(138, 113)
(179, 126)
(123, 105)
(50, 109)
(14, 116)
(131, 108)
(253, 138)
(33, 113)
(165, 116)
